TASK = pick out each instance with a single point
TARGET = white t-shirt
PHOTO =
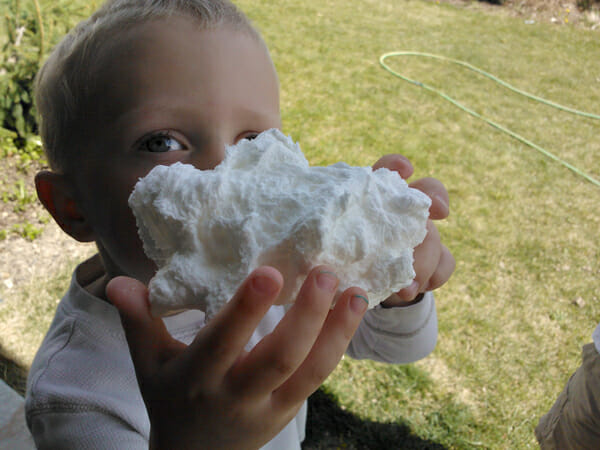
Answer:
(82, 391)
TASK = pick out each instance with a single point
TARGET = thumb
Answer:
(146, 335)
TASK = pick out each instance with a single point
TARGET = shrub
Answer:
(586, 5)
(32, 27)
(21, 56)
(25, 150)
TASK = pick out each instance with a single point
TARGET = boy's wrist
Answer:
(386, 304)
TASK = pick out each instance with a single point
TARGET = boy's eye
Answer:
(249, 135)
(160, 143)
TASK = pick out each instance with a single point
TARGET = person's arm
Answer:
(403, 328)
(76, 428)
(398, 335)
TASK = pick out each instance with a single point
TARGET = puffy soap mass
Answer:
(208, 229)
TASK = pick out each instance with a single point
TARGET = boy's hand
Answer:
(433, 262)
(213, 393)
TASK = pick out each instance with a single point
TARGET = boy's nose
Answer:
(209, 156)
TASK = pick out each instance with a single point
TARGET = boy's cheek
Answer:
(124, 255)
(105, 202)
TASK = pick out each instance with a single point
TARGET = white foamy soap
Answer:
(264, 205)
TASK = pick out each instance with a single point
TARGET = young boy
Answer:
(153, 82)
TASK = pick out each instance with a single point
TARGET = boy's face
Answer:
(170, 92)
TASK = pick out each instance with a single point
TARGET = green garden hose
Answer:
(488, 121)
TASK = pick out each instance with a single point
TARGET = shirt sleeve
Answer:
(84, 430)
(396, 335)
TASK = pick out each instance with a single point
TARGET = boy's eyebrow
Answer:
(158, 114)
(141, 110)
(154, 111)
(131, 123)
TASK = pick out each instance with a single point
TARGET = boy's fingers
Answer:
(435, 190)
(426, 256)
(147, 336)
(444, 270)
(223, 339)
(327, 351)
(397, 163)
(280, 353)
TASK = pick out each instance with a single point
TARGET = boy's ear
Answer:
(55, 193)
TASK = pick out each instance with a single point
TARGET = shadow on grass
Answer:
(13, 373)
(329, 426)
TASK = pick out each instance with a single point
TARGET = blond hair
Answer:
(66, 84)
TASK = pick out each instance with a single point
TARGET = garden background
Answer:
(523, 228)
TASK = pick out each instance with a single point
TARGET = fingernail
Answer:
(264, 285)
(359, 304)
(327, 281)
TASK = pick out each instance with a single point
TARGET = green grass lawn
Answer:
(523, 229)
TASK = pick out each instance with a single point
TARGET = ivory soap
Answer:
(264, 205)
